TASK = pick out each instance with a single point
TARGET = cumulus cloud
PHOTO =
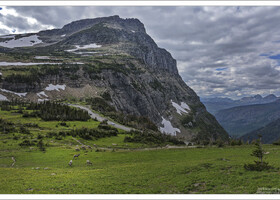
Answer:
(220, 51)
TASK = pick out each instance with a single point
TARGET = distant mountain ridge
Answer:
(213, 105)
(243, 119)
(270, 133)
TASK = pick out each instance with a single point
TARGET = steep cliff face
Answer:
(117, 56)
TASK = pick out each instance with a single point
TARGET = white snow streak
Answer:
(88, 46)
(25, 64)
(3, 98)
(42, 100)
(19, 94)
(41, 57)
(52, 87)
(168, 128)
(7, 36)
(40, 94)
(180, 108)
(22, 42)
(185, 106)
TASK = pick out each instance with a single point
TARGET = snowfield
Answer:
(22, 42)
(183, 108)
(77, 63)
(25, 64)
(168, 128)
(88, 46)
(7, 36)
(3, 98)
(40, 94)
(42, 100)
(85, 52)
(41, 57)
(19, 94)
(52, 87)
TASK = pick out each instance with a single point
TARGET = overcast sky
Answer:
(220, 51)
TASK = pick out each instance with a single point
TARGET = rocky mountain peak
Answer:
(128, 34)
(270, 97)
(115, 21)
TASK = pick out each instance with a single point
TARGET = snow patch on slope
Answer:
(88, 46)
(19, 94)
(3, 98)
(168, 128)
(25, 64)
(7, 36)
(52, 87)
(40, 94)
(22, 42)
(42, 100)
(41, 57)
(183, 108)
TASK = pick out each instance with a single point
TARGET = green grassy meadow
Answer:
(125, 168)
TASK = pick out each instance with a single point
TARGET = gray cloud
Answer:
(202, 39)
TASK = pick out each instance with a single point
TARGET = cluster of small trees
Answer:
(33, 74)
(40, 144)
(22, 78)
(49, 111)
(9, 105)
(103, 130)
(149, 137)
(93, 134)
(6, 127)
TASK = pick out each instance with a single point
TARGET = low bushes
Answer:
(148, 137)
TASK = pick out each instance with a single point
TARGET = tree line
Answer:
(50, 111)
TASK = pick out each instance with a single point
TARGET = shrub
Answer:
(148, 137)
(24, 130)
(258, 153)
(15, 137)
(220, 143)
(257, 166)
(39, 136)
(41, 145)
(106, 95)
(63, 124)
(276, 143)
(26, 143)
(6, 127)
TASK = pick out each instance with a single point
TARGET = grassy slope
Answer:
(157, 171)
(200, 170)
